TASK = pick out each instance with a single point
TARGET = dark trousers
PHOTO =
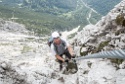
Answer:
(67, 54)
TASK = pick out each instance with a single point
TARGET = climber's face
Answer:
(57, 40)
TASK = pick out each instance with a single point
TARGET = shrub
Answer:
(119, 19)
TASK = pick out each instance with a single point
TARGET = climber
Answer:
(60, 47)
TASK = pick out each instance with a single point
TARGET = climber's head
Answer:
(56, 37)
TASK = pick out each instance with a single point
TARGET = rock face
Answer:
(26, 59)
(105, 35)
(22, 59)
(12, 27)
(8, 75)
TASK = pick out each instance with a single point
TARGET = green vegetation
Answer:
(45, 16)
(70, 68)
(94, 18)
(117, 62)
(83, 53)
(26, 49)
(39, 23)
(102, 6)
(71, 35)
(119, 31)
(94, 50)
(101, 45)
(120, 20)
(123, 23)
(5, 44)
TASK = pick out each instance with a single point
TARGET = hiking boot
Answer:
(61, 67)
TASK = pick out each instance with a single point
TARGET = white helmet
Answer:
(55, 35)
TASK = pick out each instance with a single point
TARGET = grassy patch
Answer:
(117, 62)
(119, 19)
(26, 49)
(101, 45)
(71, 35)
(84, 52)
(5, 44)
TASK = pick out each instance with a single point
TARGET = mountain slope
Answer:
(27, 59)
(106, 35)
(102, 7)
(45, 15)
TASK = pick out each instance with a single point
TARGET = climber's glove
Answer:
(73, 56)
(67, 61)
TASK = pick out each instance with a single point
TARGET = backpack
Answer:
(50, 41)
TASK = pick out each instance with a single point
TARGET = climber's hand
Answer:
(67, 61)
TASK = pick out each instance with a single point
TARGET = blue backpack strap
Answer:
(63, 43)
